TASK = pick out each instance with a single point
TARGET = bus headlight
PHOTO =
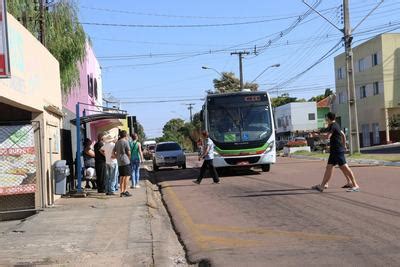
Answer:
(271, 146)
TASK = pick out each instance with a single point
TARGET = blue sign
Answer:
(246, 137)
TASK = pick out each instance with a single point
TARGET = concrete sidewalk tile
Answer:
(95, 231)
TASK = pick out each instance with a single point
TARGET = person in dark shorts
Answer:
(100, 164)
(337, 157)
(122, 152)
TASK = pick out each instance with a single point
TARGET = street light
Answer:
(259, 75)
(208, 68)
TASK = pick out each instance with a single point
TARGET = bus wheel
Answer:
(266, 168)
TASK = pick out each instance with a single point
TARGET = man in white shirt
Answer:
(208, 156)
(111, 163)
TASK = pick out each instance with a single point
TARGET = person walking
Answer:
(208, 156)
(111, 163)
(337, 157)
(100, 163)
(89, 164)
(122, 152)
(136, 159)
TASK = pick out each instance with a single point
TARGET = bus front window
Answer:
(239, 124)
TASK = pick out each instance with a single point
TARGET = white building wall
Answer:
(294, 117)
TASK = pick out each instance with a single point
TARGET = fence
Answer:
(18, 169)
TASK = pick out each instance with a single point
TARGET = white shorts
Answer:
(90, 173)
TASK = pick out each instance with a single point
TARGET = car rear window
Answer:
(168, 147)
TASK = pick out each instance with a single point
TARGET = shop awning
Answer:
(100, 116)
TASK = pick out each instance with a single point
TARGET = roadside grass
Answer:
(390, 158)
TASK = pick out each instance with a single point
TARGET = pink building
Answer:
(94, 119)
(89, 92)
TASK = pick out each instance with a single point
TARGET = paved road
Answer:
(273, 219)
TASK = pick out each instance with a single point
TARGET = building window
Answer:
(340, 73)
(279, 123)
(342, 97)
(361, 65)
(375, 59)
(375, 133)
(95, 88)
(376, 88)
(90, 85)
(363, 92)
(311, 116)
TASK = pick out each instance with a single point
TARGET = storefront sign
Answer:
(17, 160)
(4, 52)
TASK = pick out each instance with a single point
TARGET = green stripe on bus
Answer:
(239, 151)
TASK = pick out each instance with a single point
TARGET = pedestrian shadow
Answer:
(278, 190)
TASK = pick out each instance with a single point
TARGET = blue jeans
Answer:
(112, 178)
(135, 164)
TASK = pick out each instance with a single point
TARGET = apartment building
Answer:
(377, 82)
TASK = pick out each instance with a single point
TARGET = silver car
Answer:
(169, 154)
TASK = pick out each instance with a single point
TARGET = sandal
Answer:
(318, 188)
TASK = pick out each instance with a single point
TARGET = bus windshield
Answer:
(240, 123)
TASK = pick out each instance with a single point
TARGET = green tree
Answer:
(140, 132)
(328, 92)
(192, 130)
(285, 99)
(230, 83)
(177, 130)
(65, 37)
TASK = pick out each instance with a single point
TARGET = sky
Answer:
(163, 62)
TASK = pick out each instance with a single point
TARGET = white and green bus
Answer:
(241, 126)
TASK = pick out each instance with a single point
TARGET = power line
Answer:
(283, 17)
(162, 101)
(178, 25)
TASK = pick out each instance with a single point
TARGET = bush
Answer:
(296, 143)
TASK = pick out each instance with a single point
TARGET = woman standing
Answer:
(89, 163)
(136, 159)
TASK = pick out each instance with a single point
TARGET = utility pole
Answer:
(190, 108)
(240, 54)
(42, 27)
(354, 137)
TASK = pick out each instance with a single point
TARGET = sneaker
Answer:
(132, 186)
(353, 189)
(318, 188)
(196, 182)
(137, 186)
(347, 186)
(122, 195)
(217, 182)
(127, 194)
(110, 194)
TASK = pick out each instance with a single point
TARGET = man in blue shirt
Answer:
(208, 156)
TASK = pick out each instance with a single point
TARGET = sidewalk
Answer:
(95, 231)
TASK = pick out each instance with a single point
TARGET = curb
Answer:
(150, 202)
(356, 161)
